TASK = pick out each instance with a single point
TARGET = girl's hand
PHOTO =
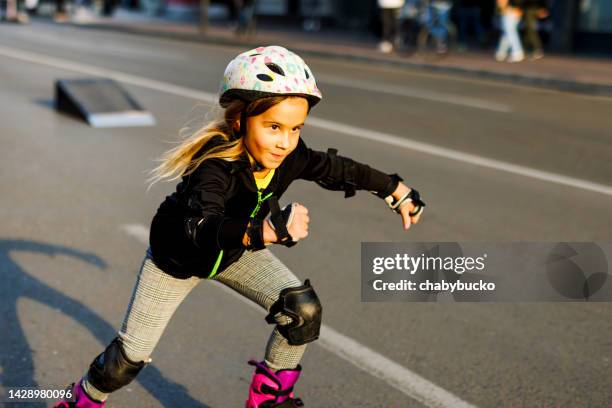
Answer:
(407, 207)
(298, 228)
(269, 235)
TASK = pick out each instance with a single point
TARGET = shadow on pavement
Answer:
(45, 103)
(16, 363)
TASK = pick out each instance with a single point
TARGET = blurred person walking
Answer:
(509, 41)
(534, 10)
(60, 15)
(409, 24)
(108, 8)
(441, 10)
(312, 18)
(153, 8)
(469, 14)
(83, 11)
(389, 12)
(13, 11)
(246, 17)
(436, 26)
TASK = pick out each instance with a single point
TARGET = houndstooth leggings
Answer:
(258, 275)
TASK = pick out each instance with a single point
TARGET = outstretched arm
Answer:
(335, 172)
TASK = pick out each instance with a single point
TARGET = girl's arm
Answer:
(206, 225)
(335, 172)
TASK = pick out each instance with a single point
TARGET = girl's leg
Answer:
(260, 276)
(154, 300)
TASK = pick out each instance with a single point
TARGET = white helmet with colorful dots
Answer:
(267, 71)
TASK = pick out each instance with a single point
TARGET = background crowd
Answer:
(512, 27)
(412, 21)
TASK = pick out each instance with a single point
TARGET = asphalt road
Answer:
(75, 210)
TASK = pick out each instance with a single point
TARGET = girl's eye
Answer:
(274, 127)
(297, 129)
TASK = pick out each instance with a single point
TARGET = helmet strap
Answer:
(243, 123)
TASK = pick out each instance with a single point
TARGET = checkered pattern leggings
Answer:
(258, 275)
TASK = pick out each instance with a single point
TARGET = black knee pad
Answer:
(302, 305)
(112, 370)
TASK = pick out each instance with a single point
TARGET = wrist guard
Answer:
(255, 235)
(280, 220)
(413, 196)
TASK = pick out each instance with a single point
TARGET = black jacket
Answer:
(198, 230)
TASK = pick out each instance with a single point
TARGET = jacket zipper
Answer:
(260, 201)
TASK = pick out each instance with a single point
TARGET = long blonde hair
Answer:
(179, 161)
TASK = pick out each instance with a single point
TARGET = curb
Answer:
(567, 85)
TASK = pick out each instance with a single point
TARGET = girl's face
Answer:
(272, 135)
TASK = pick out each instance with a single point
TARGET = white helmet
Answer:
(267, 71)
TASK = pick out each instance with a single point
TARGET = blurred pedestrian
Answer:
(437, 23)
(60, 15)
(390, 13)
(510, 46)
(312, 18)
(534, 10)
(108, 8)
(469, 14)
(83, 12)
(153, 8)
(14, 11)
(31, 7)
(409, 22)
(246, 17)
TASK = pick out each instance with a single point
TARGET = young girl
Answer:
(225, 213)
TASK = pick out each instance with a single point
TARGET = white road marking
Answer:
(138, 231)
(411, 92)
(420, 72)
(376, 136)
(109, 73)
(368, 360)
(381, 137)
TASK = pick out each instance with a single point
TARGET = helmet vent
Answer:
(275, 68)
(265, 77)
(307, 74)
(254, 55)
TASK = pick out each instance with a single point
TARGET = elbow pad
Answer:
(192, 226)
(342, 175)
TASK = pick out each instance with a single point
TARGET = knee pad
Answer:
(112, 369)
(302, 305)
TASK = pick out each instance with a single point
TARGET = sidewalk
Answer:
(569, 73)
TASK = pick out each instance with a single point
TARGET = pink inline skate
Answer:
(271, 389)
